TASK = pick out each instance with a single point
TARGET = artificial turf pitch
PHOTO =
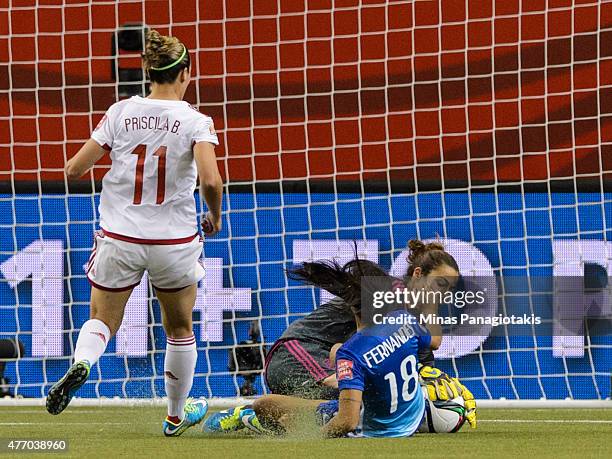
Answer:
(136, 432)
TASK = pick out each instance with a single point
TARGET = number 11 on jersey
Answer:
(141, 151)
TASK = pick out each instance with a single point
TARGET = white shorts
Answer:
(116, 265)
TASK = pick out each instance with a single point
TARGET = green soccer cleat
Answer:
(233, 419)
(224, 421)
(195, 411)
(250, 421)
(62, 391)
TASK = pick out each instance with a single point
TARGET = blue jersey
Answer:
(382, 363)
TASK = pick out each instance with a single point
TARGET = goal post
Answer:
(485, 124)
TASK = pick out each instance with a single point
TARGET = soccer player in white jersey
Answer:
(158, 145)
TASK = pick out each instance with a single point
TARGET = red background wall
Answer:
(480, 90)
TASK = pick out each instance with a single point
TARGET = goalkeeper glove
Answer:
(440, 386)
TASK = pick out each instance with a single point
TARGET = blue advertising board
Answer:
(46, 240)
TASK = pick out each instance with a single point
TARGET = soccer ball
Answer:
(443, 416)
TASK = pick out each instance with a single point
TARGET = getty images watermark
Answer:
(493, 305)
(390, 303)
(412, 298)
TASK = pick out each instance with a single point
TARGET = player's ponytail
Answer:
(428, 256)
(343, 281)
(164, 57)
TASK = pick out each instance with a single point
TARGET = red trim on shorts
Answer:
(136, 240)
(108, 289)
(171, 290)
(90, 261)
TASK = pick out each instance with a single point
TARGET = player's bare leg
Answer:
(106, 314)
(109, 307)
(237, 418)
(177, 311)
(180, 360)
(279, 413)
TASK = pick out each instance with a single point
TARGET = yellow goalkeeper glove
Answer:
(440, 386)
(470, 403)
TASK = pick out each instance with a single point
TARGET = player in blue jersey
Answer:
(376, 368)
(298, 363)
(315, 336)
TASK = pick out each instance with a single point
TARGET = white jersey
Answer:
(147, 196)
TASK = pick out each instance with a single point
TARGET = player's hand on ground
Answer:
(440, 386)
(211, 225)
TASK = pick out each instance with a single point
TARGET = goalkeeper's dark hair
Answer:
(342, 281)
(428, 257)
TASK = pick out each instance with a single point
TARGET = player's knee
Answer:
(113, 324)
(257, 405)
(177, 324)
(265, 407)
(268, 414)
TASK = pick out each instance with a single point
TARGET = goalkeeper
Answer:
(301, 362)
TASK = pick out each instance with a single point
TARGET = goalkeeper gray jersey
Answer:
(331, 323)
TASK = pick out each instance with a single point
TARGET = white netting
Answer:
(384, 121)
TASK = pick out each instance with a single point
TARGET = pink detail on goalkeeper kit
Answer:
(305, 359)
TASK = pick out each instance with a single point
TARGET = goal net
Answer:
(487, 124)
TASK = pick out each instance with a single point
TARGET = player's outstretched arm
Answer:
(86, 157)
(211, 184)
(347, 419)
